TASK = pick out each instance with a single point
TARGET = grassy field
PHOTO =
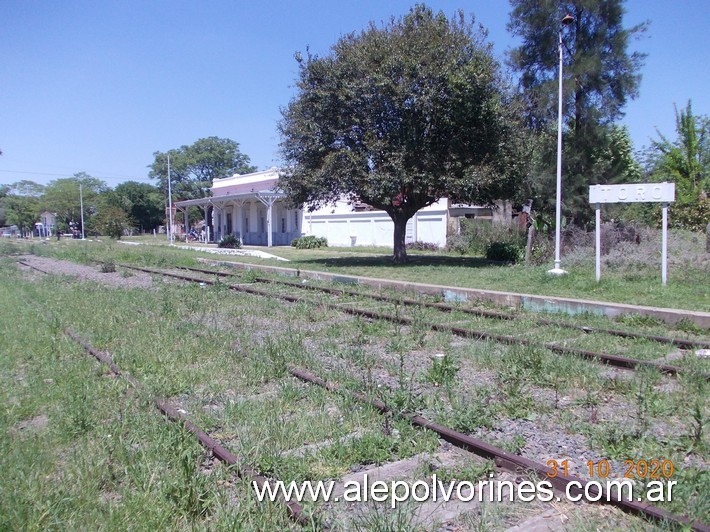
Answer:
(81, 449)
(630, 274)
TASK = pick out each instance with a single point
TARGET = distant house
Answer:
(251, 207)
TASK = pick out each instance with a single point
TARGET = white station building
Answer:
(251, 207)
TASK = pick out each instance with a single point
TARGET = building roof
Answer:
(254, 182)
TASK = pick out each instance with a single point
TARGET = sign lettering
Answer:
(632, 193)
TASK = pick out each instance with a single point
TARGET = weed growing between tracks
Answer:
(169, 340)
(80, 448)
(223, 356)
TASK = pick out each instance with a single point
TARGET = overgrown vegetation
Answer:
(186, 339)
(498, 242)
(309, 242)
(230, 242)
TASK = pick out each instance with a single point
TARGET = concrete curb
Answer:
(530, 302)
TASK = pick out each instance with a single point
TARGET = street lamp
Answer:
(170, 207)
(558, 202)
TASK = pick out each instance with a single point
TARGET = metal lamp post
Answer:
(558, 201)
(81, 202)
(170, 207)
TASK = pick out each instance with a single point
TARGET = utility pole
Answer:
(81, 204)
(170, 207)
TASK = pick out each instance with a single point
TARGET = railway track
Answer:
(465, 332)
(678, 342)
(504, 460)
(294, 510)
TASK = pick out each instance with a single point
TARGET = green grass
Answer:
(80, 449)
(222, 356)
(687, 286)
(638, 284)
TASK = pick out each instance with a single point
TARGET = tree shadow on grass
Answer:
(385, 261)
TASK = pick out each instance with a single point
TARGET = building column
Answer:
(253, 218)
(269, 224)
(239, 219)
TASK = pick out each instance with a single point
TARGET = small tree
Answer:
(22, 204)
(399, 117)
(687, 159)
(143, 202)
(112, 221)
(63, 197)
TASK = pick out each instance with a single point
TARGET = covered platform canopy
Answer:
(256, 217)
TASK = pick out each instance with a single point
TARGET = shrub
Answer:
(230, 242)
(507, 251)
(310, 242)
(108, 267)
(422, 246)
(476, 236)
(458, 244)
(692, 216)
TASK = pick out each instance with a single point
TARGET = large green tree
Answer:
(600, 76)
(399, 117)
(22, 204)
(194, 167)
(62, 196)
(145, 203)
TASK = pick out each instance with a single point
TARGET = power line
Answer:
(66, 174)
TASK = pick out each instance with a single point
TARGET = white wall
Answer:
(338, 223)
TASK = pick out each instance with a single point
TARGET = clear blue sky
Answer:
(99, 85)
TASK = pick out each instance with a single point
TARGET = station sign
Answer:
(632, 193)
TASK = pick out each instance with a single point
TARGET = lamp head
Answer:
(568, 19)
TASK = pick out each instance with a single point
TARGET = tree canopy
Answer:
(399, 117)
(600, 76)
(194, 167)
(21, 204)
(686, 160)
(62, 196)
(143, 202)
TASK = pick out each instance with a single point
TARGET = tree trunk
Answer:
(400, 232)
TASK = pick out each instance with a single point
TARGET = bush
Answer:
(692, 216)
(108, 267)
(230, 242)
(476, 236)
(507, 251)
(309, 242)
(422, 246)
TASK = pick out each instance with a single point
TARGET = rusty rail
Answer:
(294, 510)
(508, 461)
(678, 342)
(614, 360)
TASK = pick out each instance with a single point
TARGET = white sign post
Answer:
(662, 193)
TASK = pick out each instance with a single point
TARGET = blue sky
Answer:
(98, 85)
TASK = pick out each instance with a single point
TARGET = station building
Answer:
(252, 208)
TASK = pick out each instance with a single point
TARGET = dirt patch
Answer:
(32, 424)
(83, 272)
